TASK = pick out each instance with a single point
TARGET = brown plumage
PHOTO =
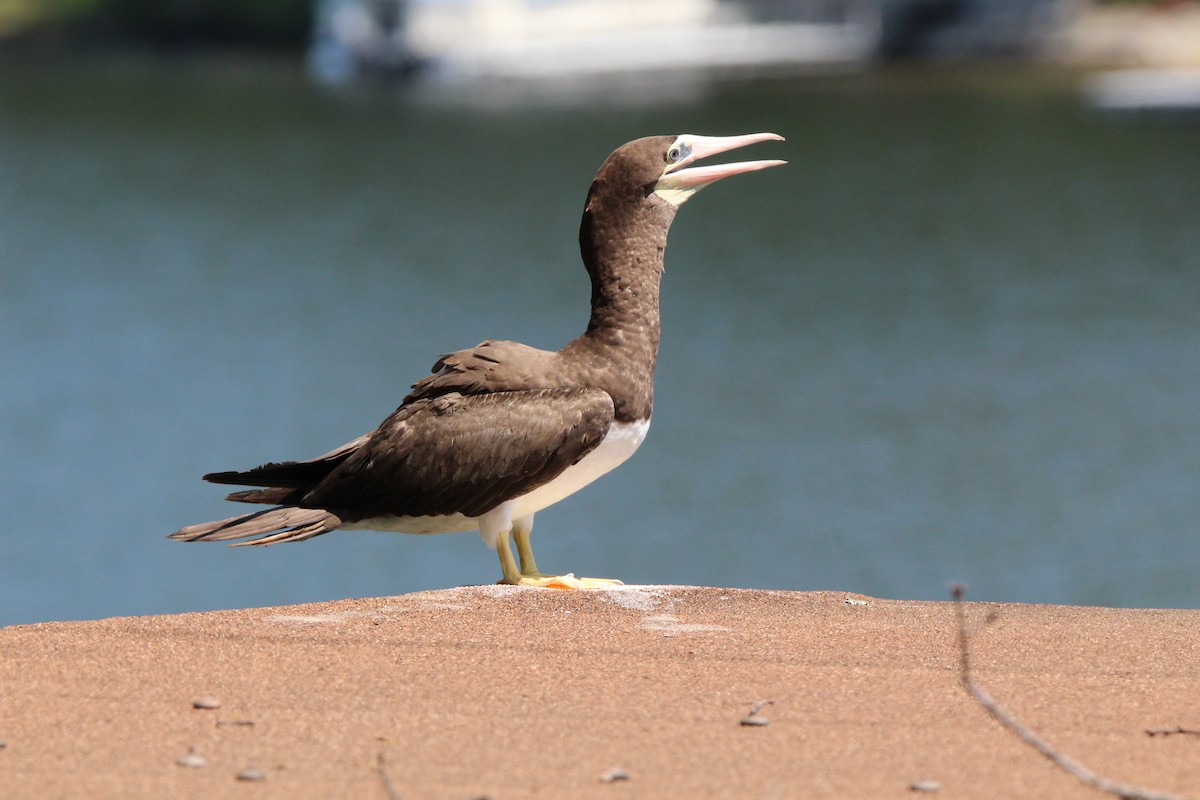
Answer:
(502, 421)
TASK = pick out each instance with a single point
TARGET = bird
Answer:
(499, 431)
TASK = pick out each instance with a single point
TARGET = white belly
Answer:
(622, 440)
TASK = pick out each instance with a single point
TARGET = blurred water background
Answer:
(956, 338)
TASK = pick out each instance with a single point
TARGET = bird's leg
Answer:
(508, 564)
(531, 576)
(497, 526)
(527, 574)
(521, 530)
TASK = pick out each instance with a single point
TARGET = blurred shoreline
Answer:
(1091, 36)
(1160, 35)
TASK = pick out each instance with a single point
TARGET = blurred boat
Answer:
(1169, 91)
(469, 42)
(638, 46)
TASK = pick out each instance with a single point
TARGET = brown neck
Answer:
(623, 254)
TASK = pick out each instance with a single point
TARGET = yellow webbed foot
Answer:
(568, 581)
(528, 574)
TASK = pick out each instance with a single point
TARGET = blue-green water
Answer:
(956, 338)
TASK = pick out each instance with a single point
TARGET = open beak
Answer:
(680, 180)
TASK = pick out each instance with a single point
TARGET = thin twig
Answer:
(387, 779)
(758, 706)
(1173, 731)
(1004, 717)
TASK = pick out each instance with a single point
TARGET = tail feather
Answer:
(296, 534)
(286, 524)
(272, 497)
(290, 474)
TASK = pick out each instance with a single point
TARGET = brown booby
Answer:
(502, 430)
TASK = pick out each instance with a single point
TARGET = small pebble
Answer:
(252, 774)
(206, 703)
(925, 786)
(192, 759)
(754, 720)
(613, 775)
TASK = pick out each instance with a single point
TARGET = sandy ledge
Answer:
(523, 693)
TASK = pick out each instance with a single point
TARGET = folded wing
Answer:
(464, 454)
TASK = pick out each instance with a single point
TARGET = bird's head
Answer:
(679, 179)
(639, 188)
(664, 167)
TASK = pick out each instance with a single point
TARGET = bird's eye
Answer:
(674, 154)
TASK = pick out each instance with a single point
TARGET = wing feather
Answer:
(465, 454)
(491, 366)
